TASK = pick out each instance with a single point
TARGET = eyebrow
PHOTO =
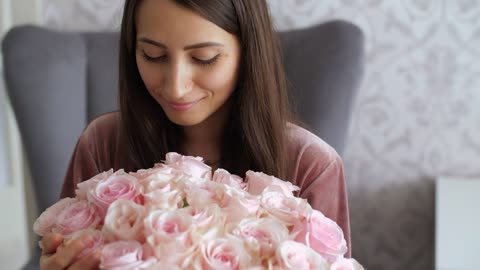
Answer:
(186, 48)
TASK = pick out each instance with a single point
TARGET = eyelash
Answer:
(162, 58)
(153, 59)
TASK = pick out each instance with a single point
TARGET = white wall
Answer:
(16, 202)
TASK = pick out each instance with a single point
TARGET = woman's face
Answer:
(188, 64)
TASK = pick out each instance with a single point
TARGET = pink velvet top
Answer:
(315, 167)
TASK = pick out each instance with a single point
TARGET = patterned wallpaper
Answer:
(417, 115)
(78, 15)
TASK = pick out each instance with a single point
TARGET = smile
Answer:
(182, 106)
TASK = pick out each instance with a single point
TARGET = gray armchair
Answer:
(57, 82)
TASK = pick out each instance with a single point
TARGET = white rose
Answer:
(292, 255)
(124, 221)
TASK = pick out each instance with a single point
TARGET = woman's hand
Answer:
(59, 255)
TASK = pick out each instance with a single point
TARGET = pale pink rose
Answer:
(160, 173)
(120, 185)
(257, 182)
(271, 264)
(346, 264)
(193, 166)
(287, 209)
(85, 186)
(292, 255)
(321, 234)
(261, 236)
(206, 218)
(46, 221)
(97, 243)
(148, 251)
(157, 168)
(151, 262)
(161, 191)
(169, 234)
(122, 255)
(172, 253)
(166, 200)
(202, 193)
(224, 177)
(124, 221)
(221, 253)
(167, 226)
(77, 216)
(238, 204)
(162, 265)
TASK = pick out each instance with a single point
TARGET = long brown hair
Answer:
(255, 136)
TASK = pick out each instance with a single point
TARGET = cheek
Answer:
(221, 80)
(151, 75)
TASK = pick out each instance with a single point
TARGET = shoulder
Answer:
(103, 127)
(104, 140)
(304, 142)
(309, 155)
(96, 151)
(104, 122)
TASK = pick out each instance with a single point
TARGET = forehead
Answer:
(168, 22)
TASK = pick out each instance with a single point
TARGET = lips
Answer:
(182, 106)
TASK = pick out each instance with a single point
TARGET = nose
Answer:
(177, 82)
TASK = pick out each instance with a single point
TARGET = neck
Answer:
(205, 138)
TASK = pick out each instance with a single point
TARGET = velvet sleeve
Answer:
(326, 192)
(101, 147)
(82, 166)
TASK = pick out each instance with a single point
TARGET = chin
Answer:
(186, 121)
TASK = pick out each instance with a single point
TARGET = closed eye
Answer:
(154, 58)
(163, 58)
(207, 62)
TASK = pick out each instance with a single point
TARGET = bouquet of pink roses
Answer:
(177, 215)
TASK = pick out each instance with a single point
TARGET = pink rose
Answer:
(161, 190)
(169, 234)
(77, 216)
(238, 204)
(145, 173)
(124, 221)
(162, 266)
(85, 186)
(123, 255)
(168, 226)
(120, 185)
(224, 177)
(221, 253)
(172, 253)
(287, 209)
(346, 264)
(193, 166)
(46, 221)
(261, 236)
(292, 256)
(258, 182)
(96, 244)
(206, 218)
(321, 234)
(200, 193)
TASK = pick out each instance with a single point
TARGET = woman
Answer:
(202, 78)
